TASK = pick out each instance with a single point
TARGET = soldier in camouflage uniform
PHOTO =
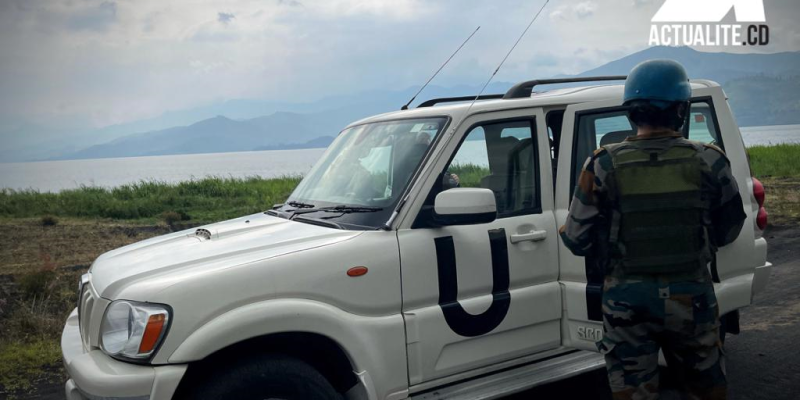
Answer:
(657, 206)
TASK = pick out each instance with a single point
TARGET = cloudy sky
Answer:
(96, 63)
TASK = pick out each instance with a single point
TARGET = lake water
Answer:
(769, 135)
(58, 175)
(110, 172)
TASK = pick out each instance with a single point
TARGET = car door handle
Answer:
(532, 236)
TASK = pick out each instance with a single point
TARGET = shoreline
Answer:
(257, 175)
(108, 173)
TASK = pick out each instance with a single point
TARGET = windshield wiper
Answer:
(313, 221)
(299, 204)
(343, 209)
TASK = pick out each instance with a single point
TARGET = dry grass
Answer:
(39, 270)
(783, 200)
(73, 243)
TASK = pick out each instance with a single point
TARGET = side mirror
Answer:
(465, 206)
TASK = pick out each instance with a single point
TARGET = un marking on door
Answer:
(590, 334)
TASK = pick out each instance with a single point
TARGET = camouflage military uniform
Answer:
(676, 312)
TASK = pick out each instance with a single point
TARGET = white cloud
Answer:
(585, 9)
(573, 12)
(113, 62)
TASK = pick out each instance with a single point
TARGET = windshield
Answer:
(368, 165)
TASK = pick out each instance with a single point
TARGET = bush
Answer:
(36, 284)
(170, 217)
(44, 300)
(49, 220)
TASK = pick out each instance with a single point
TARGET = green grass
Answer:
(469, 175)
(21, 363)
(218, 198)
(782, 160)
(207, 199)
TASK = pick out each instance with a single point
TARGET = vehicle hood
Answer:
(173, 257)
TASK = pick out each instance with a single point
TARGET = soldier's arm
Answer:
(727, 210)
(584, 211)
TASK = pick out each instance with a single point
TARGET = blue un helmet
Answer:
(659, 82)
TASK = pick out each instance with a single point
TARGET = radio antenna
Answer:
(405, 107)
(506, 57)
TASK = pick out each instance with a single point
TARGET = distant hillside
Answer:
(759, 99)
(278, 131)
(762, 89)
(718, 67)
(215, 135)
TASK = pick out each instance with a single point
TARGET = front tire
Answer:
(263, 378)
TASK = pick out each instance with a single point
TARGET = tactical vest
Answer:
(657, 208)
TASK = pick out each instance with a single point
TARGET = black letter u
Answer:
(457, 318)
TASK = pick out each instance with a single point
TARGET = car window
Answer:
(701, 124)
(369, 165)
(599, 128)
(501, 157)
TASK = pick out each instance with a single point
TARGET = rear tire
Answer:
(268, 377)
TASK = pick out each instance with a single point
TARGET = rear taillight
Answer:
(761, 219)
(758, 193)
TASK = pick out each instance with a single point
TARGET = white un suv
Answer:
(418, 259)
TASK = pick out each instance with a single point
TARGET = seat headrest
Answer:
(615, 137)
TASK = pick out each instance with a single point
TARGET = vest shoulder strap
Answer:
(715, 148)
(613, 148)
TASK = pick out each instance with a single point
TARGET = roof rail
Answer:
(524, 89)
(433, 102)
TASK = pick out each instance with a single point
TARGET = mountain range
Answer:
(762, 89)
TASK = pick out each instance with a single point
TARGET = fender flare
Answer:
(371, 342)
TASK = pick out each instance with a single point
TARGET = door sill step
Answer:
(518, 379)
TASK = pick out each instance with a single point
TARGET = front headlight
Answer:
(133, 330)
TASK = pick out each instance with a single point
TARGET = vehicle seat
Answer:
(521, 169)
(499, 181)
(615, 137)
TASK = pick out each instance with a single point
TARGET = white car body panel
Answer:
(375, 344)
(531, 323)
(165, 260)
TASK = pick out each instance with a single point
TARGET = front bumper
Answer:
(96, 376)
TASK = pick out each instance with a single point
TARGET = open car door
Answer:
(582, 324)
(588, 126)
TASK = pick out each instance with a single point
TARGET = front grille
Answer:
(86, 304)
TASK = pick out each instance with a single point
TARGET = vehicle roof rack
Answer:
(433, 102)
(525, 89)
